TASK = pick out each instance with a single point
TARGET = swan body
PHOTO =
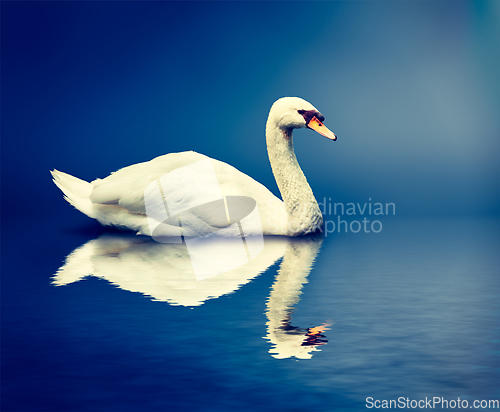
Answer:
(119, 199)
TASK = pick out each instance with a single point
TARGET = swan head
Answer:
(295, 113)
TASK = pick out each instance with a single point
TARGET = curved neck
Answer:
(303, 212)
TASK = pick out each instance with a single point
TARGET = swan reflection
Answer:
(290, 341)
(166, 272)
(169, 272)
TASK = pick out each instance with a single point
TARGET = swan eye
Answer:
(309, 114)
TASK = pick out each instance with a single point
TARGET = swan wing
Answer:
(126, 186)
(189, 190)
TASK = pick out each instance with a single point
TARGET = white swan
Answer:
(119, 199)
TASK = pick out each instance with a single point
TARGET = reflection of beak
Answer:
(319, 329)
(319, 127)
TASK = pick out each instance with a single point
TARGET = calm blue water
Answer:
(414, 312)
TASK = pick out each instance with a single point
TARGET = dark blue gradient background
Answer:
(412, 90)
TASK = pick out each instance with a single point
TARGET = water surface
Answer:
(324, 323)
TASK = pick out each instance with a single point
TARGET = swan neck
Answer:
(302, 209)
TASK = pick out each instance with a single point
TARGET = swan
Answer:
(119, 199)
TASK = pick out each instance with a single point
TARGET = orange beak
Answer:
(319, 127)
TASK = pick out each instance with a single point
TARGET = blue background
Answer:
(411, 89)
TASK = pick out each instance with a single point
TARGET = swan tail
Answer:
(76, 191)
(77, 266)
